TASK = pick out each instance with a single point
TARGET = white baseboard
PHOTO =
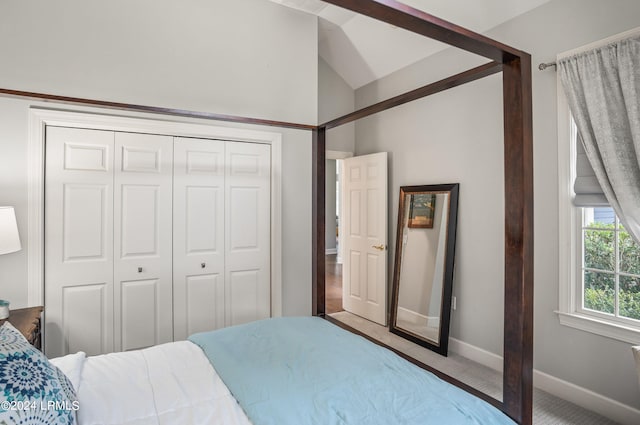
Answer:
(410, 316)
(330, 251)
(588, 399)
(478, 355)
(583, 397)
(433, 322)
(406, 315)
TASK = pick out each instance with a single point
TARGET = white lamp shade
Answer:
(9, 237)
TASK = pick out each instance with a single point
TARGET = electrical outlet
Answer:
(454, 303)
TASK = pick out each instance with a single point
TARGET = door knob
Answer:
(378, 247)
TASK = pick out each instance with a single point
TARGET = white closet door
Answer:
(78, 241)
(142, 239)
(198, 239)
(248, 227)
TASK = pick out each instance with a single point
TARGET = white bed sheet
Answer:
(171, 383)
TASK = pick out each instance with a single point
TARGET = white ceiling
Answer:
(363, 50)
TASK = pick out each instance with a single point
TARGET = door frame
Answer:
(339, 155)
(40, 118)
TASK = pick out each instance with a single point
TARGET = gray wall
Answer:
(456, 136)
(226, 56)
(335, 99)
(420, 276)
(220, 56)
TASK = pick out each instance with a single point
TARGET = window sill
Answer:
(600, 327)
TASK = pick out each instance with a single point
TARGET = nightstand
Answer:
(27, 321)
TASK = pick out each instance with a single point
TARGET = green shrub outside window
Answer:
(611, 264)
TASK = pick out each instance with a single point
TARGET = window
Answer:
(609, 282)
(599, 263)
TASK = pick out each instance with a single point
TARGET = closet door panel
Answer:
(244, 232)
(198, 241)
(78, 241)
(140, 217)
(248, 242)
(86, 318)
(204, 302)
(143, 240)
(201, 208)
(140, 313)
(244, 297)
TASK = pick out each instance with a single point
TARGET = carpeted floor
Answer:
(547, 409)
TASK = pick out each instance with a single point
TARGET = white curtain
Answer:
(602, 86)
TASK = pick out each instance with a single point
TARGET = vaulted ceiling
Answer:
(363, 50)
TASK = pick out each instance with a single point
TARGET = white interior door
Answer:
(364, 277)
(248, 232)
(198, 239)
(78, 241)
(143, 313)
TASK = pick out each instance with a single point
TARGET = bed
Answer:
(515, 66)
(301, 370)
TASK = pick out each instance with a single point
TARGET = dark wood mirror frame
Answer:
(447, 288)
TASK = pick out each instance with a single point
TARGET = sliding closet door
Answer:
(78, 241)
(143, 240)
(198, 241)
(248, 239)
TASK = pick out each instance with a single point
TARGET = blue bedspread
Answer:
(296, 371)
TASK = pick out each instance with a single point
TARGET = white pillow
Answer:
(71, 365)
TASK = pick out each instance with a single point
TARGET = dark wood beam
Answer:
(318, 204)
(447, 83)
(403, 16)
(150, 109)
(518, 296)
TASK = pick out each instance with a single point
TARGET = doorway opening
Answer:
(333, 263)
(334, 219)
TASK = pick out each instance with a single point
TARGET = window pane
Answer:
(629, 254)
(599, 217)
(630, 297)
(599, 250)
(599, 291)
(604, 216)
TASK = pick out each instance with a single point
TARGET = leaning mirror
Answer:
(423, 272)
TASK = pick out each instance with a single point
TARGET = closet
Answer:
(149, 238)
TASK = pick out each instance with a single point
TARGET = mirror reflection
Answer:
(423, 273)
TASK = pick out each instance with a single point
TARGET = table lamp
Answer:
(9, 242)
(9, 237)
